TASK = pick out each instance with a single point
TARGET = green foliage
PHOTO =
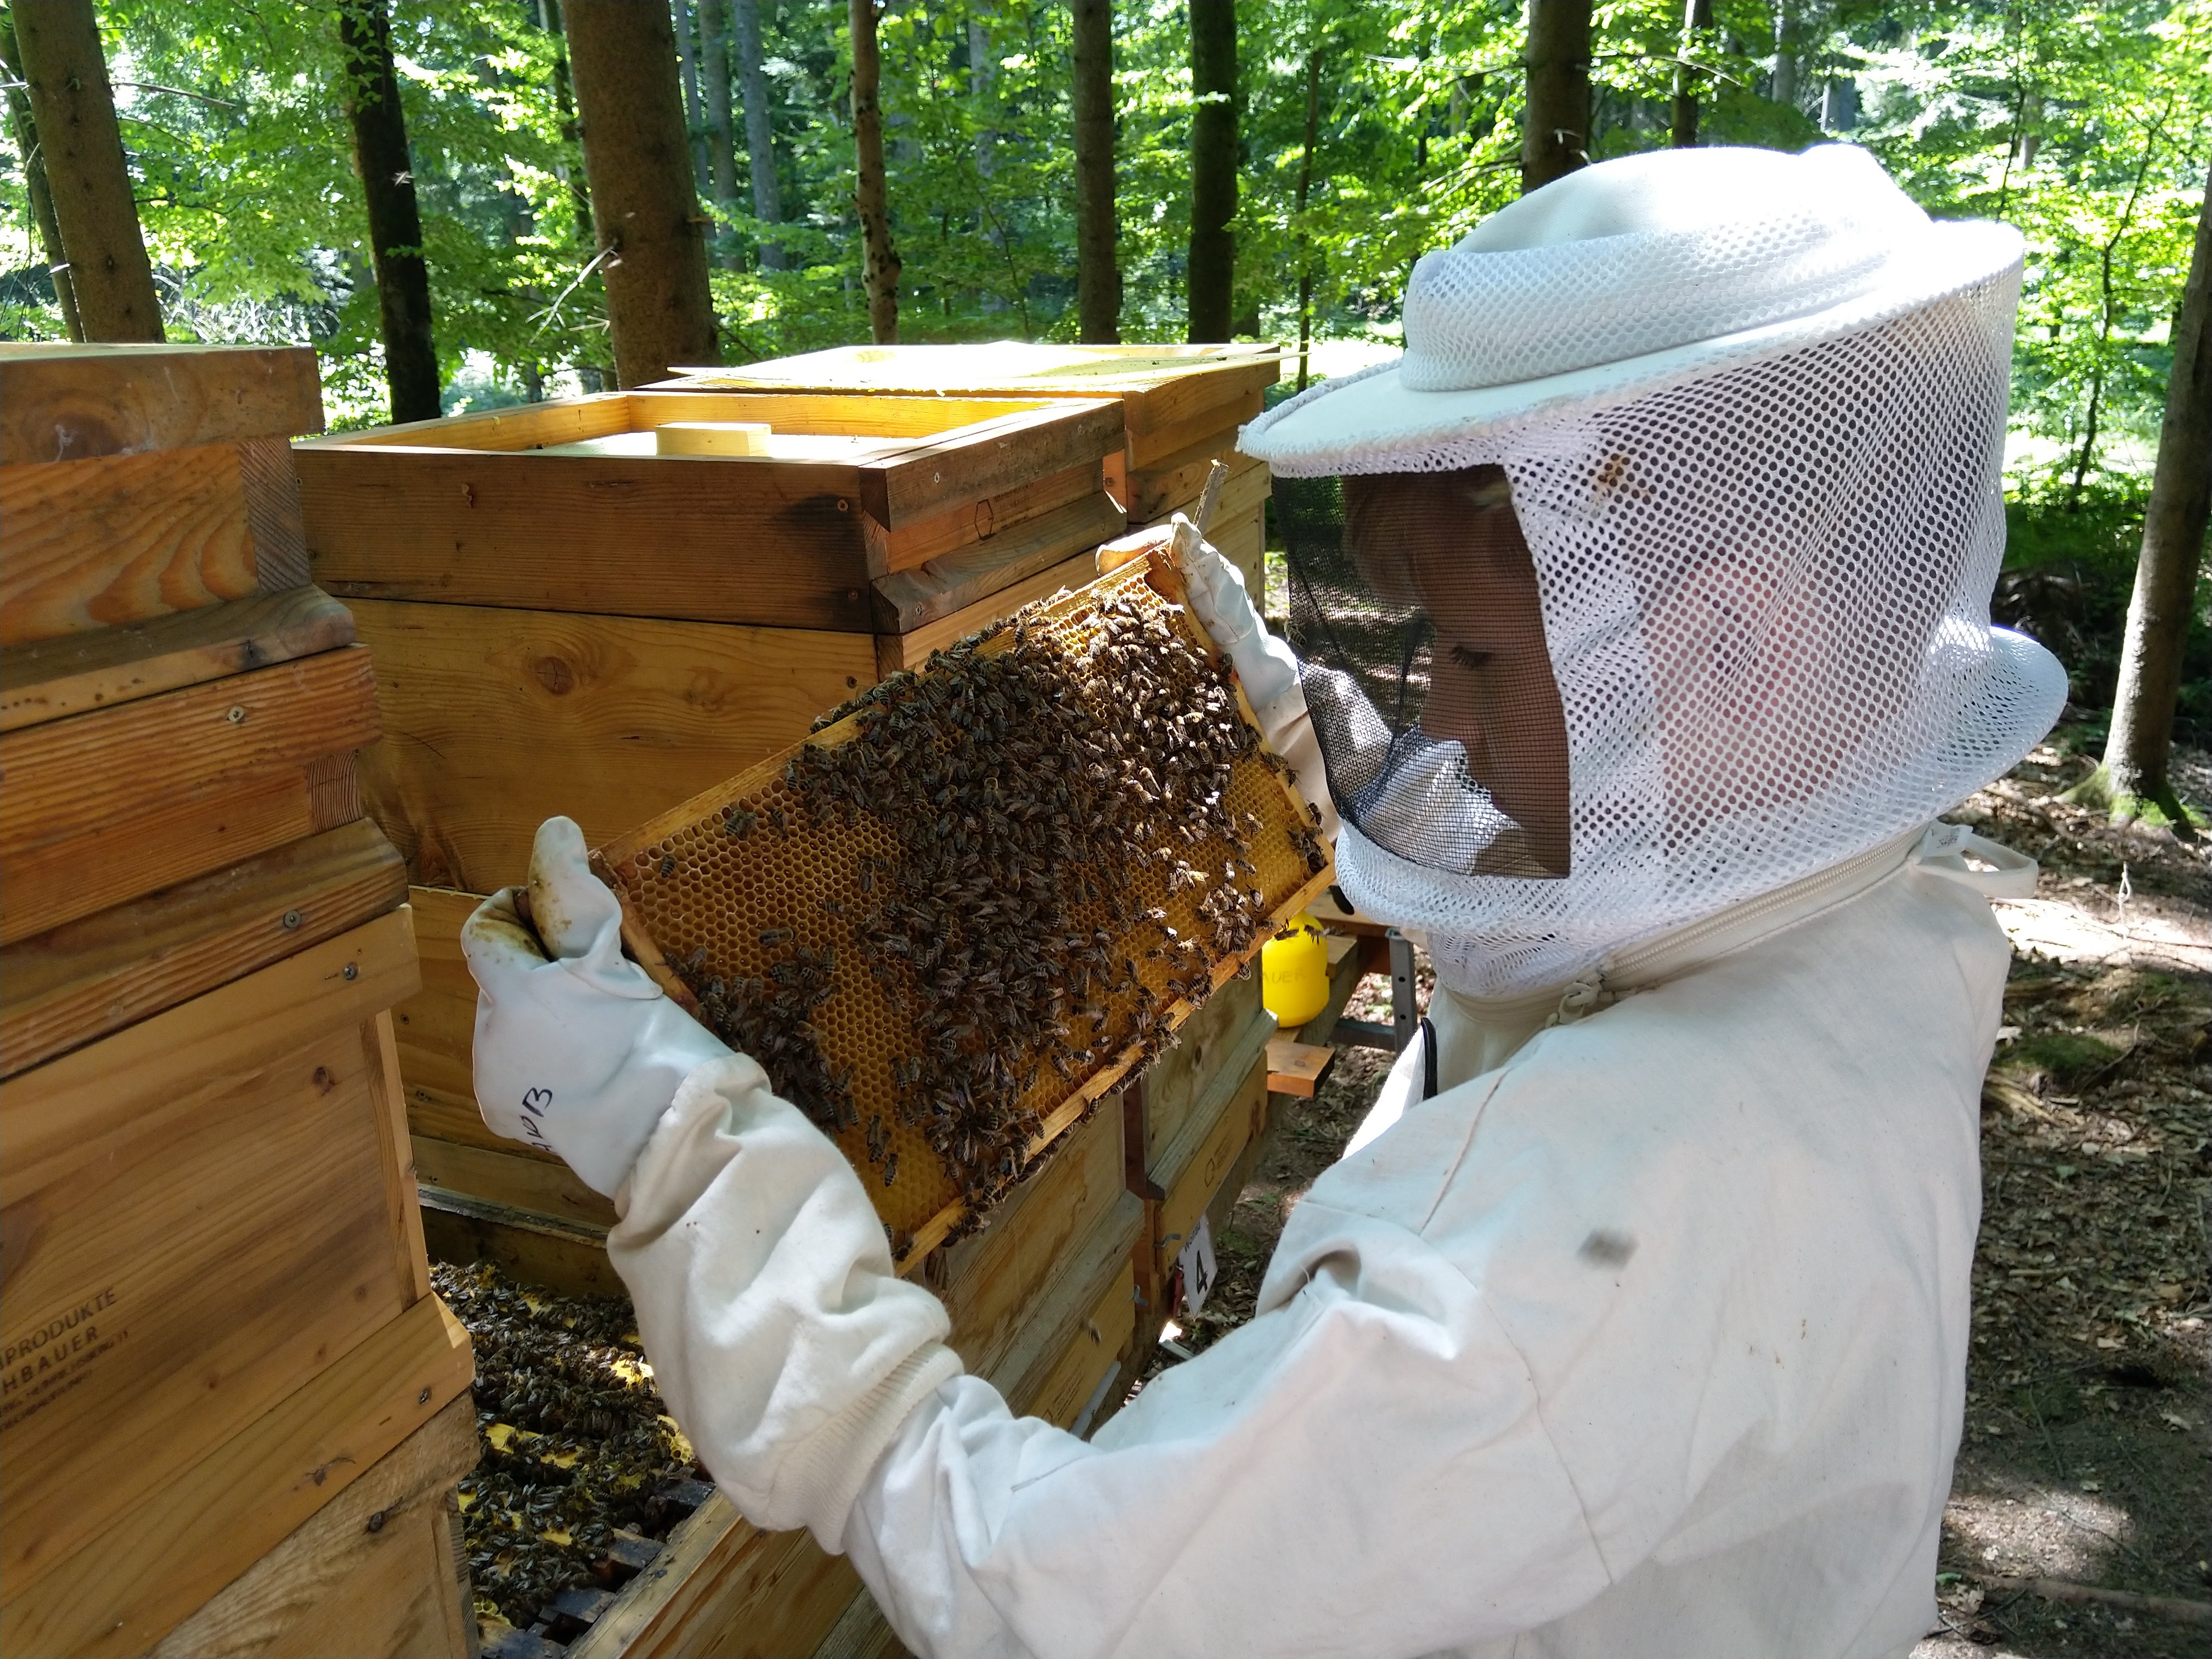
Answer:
(2088, 126)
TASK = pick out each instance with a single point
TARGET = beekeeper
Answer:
(1635, 1322)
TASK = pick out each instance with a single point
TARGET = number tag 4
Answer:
(1199, 1272)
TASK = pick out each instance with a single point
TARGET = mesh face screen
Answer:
(1766, 593)
(1420, 633)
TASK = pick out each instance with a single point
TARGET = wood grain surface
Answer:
(496, 720)
(69, 403)
(90, 977)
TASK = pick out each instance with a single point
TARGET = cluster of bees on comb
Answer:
(1057, 799)
(576, 1439)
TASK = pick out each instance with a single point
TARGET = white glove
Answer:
(581, 1054)
(1225, 611)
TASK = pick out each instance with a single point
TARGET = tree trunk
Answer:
(1555, 130)
(722, 139)
(1697, 22)
(879, 259)
(564, 100)
(2173, 543)
(1097, 274)
(1785, 54)
(1212, 273)
(695, 118)
(73, 107)
(760, 131)
(34, 180)
(659, 307)
(1305, 188)
(369, 90)
(979, 88)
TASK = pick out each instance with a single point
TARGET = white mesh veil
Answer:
(1766, 598)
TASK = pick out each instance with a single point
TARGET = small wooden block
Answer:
(1298, 1068)
(711, 438)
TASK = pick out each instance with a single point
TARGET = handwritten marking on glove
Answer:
(535, 1104)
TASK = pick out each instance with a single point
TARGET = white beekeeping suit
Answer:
(1659, 638)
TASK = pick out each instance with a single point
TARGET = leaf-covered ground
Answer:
(2087, 1451)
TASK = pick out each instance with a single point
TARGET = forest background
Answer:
(1366, 132)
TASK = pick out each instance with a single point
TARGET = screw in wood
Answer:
(353, 971)
(291, 920)
(237, 715)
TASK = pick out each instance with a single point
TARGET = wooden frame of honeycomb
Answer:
(754, 885)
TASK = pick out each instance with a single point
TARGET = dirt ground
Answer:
(2088, 1448)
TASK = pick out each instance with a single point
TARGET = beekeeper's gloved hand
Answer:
(580, 1054)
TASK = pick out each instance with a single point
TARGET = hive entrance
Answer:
(952, 919)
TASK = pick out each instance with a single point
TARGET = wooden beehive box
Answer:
(1181, 406)
(565, 622)
(216, 1302)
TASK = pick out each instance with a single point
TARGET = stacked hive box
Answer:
(1194, 1124)
(567, 620)
(233, 1410)
(1180, 409)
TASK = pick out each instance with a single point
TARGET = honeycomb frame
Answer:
(692, 892)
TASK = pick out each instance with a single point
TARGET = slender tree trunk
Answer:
(695, 118)
(34, 180)
(1697, 22)
(1212, 273)
(370, 94)
(564, 100)
(1305, 188)
(2108, 313)
(979, 88)
(1555, 131)
(2173, 544)
(879, 259)
(760, 129)
(721, 138)
(659, 307)
(73, 107)
(1785, 54)
(1097, 272)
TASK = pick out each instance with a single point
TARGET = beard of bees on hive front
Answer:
(1034, 851)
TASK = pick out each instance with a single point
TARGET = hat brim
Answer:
(1372, 422)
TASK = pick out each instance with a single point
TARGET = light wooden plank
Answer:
(1174, 482)
(497, 720)
(166, 842)
(1208, 1159)
(363, 1576)
(69, 778)
(87, 1106)
(912, 650)
(119, 538)
(909, 599)
(169, 1293)
(974, 463)
(1155, 444)
(1186, 1077)
(435, 1030)
(185, 1540)
(1242, 539)
(738, 542)
(395, 1155)
(543, 1186)
(92, 976)
(66, 403)
(967, 529)
(51, 679)
(1097, 1348)
(723, 1587)
(1298, 1068)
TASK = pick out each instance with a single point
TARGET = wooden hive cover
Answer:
(951, 920)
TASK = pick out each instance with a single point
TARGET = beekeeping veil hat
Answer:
(1741, 416)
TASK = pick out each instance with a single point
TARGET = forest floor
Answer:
(2087, 1451)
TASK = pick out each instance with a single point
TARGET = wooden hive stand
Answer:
(1180, 409)
(223, 1358)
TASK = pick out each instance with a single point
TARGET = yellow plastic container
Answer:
(1294, 973)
